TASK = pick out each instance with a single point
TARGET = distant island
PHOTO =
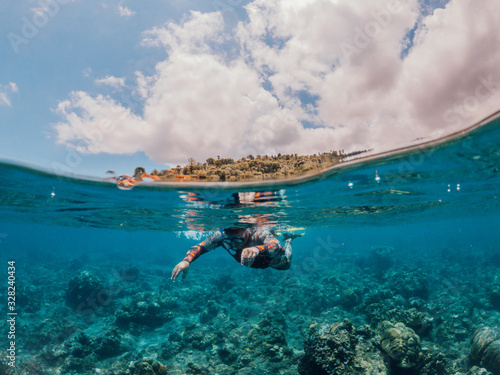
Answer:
(250, 168)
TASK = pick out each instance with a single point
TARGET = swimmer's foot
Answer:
(291, 236)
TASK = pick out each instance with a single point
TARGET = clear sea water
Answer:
(439, 198)
(447, 194)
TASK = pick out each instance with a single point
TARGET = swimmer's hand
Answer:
(248, 256)
(181, 267)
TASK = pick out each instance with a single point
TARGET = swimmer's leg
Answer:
(290, 236)
(285, 261)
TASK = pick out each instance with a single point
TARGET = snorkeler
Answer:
(255, 248)
(126, 181)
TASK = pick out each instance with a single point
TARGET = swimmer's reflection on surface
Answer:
(251, 198)
(126, 181)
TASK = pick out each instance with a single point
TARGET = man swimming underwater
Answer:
(255, 248)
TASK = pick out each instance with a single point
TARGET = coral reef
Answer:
(5, 368)
(86, 290)
(433, 362)
(475, 371)
(143, 309)
(401, 344)
(146, 366)
(395, 310)
(29, 298)
(494, 297)
(340, 349)
(351, 317)
(409, 282)
(485, 350)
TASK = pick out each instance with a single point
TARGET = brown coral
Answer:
(486, 349)
(400, 343)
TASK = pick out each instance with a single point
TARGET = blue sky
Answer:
(91, 86)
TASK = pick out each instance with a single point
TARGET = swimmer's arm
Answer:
(270, 247)
(194, 253)
(203, 247)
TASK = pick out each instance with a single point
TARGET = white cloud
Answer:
(43, 10)
(5, 91)
(446, 74)
(337, 65)
(95, 125)
(196, 35)
(111, 81)
(4, 99)
(87, 72)
(125, 12)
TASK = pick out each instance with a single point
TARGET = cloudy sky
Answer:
(88, 86)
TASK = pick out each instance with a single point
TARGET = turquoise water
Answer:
(433, 211)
